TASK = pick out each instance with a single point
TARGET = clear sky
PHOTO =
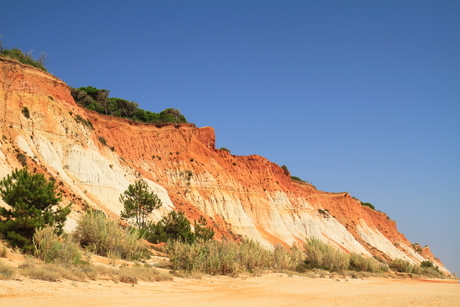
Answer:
(356, 96)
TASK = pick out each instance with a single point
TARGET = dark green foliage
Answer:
(368, 205)
(201, 231)
(225, 149)
(22, 158)
(34, 205)
(25, 111)
(285, 170)
(175, 226)
(427, 264)
(297, 179)
(98, 100)
(138, 202)
(25, 58)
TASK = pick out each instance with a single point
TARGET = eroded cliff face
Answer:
(94, 158)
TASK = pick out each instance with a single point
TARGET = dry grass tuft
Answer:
(106, 238)
(230, 258)
(50, 248)
(6, 271)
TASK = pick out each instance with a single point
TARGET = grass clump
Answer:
(229, 258)
(358, 262)
(51, 248)
(402, 266)
(325, 256)
(107, 238)
(146, 273)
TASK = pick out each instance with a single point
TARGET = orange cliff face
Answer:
(95, 157)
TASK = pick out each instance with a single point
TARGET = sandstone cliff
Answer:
(93, 158)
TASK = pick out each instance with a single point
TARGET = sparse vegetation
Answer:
(102, 140)
(225, 149)
(85, 122)
(285, 170)
(297, 179)
(368, 205)
(25, 58)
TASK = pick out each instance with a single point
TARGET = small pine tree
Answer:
(33, 205)
(138, 202)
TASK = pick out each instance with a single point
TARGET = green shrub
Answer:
(98, 100)
(106, 238)
(427, 264)
(175, 226)
(225, 149)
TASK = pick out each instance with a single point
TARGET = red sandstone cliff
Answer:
(241, 196)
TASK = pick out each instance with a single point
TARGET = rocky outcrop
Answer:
(93, 158)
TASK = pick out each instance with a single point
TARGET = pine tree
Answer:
(138, 202)
(33, 205)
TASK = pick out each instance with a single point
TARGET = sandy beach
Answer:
(268, 290)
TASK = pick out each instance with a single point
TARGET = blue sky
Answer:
(356, 96)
